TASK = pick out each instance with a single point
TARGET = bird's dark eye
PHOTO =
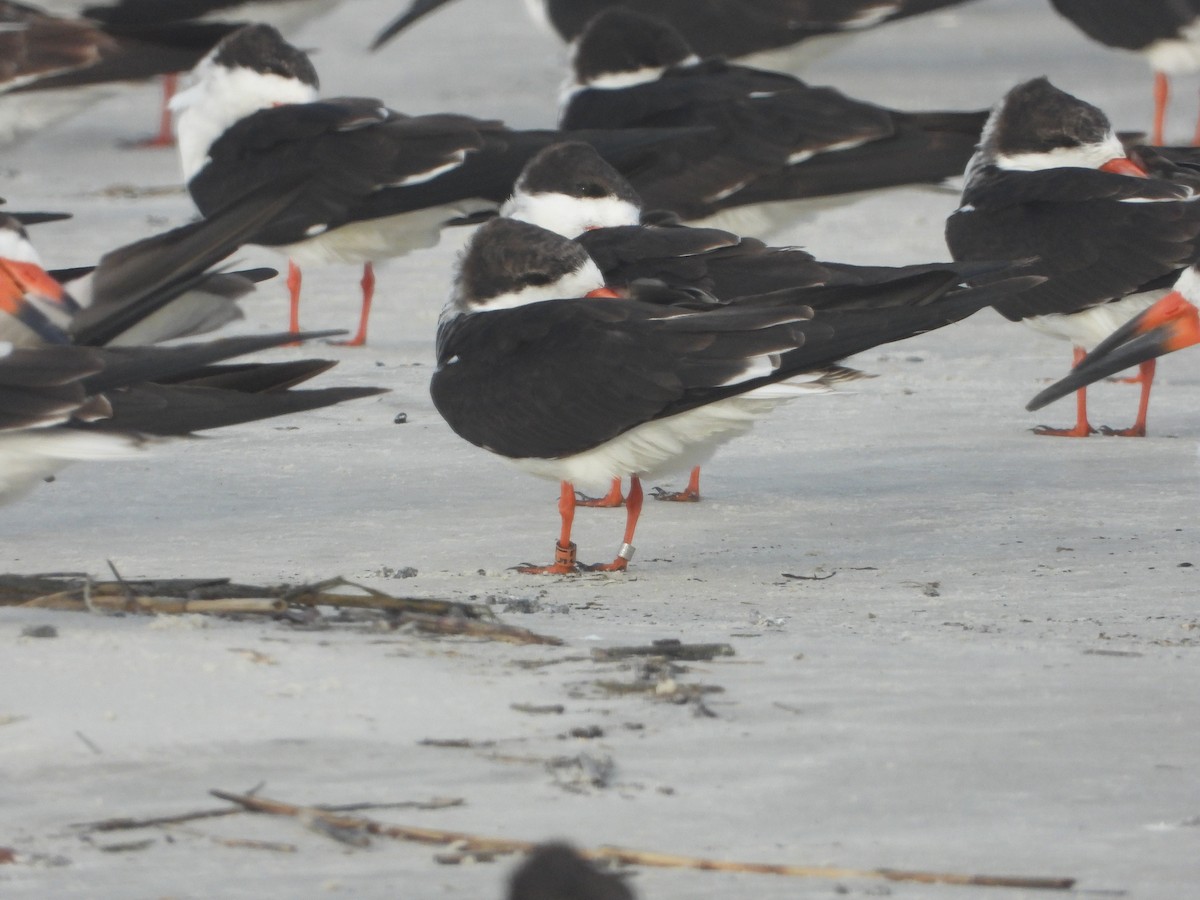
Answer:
(590, 189)
(535, 279)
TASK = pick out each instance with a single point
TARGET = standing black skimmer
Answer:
(155, 289)
(286, 15)
(568, 189)
(1166, 32)
(584, 389)
(138, 18)
(378, 183)
(773, 138)
(773, 34)
(1171, 324)
(1051, 181)
(52, 68)
(63, 403)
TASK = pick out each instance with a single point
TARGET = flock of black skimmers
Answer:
(604, 322)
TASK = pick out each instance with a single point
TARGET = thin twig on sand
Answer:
(477, 844)
(219, 596)
(668, 649)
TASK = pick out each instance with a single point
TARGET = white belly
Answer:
(379, 239)
(29, 457)
(1087, 329)
(1177, 57)
(673, 444)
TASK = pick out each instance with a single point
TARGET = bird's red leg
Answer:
(293, 286)
(633, 509)
(1196, 136)
(1172, 323)
(1082, 428)
(690, 494)
(609, 501)
(165, 136)
(368, 294)
(1161, 92)
(1145, 378)
(564, 550)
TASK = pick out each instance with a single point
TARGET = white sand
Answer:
(1000, 677)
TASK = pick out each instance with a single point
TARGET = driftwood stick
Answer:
(493, 631)
(671, 861)
(108, 601)
(671, 649)
(234, 605)
(130, 824)
(126, 823)
(471, 843)
(321, 594)
(384, 602)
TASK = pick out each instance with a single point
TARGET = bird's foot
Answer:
(564, 563)
(617, 565)
(1078, 431)
(675, 496)
(611, 500)
(155, 142)
(1132, 431)
(620, 564)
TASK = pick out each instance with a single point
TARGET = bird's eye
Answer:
(590, 189)
(535, 279)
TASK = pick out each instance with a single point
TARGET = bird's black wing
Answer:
(1096, 236)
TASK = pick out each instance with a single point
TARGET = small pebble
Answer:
(39, 631)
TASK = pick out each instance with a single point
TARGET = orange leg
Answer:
(165, 136)
(633, 509)
(1082, 428)
(1161, 93)
(293, 285)
(690, 494)
(564, 550)
(368, 294)
(1145, 378)
(1196, 135)
(609, 501)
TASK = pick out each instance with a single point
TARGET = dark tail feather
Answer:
(256, 378)
(1170, 324)
(131, 365)
(176, 410)
(418, 9)
(136, 280)
(37, 218)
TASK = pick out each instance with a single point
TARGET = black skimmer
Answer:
(74, 385)
(538, 363)
(52, 68)
(59, 404)
(1171, 324)
(567, 188)
(557, 872)
(378, 183)
(773, 34)
(1166, 32)
(159, 288)
(139, 18)
(773, 138)
(1052, 181)
(286, 15)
